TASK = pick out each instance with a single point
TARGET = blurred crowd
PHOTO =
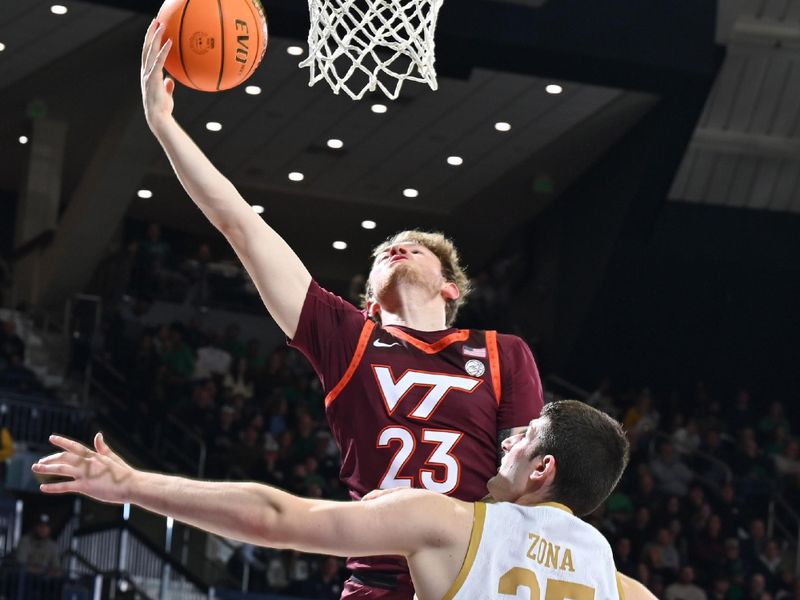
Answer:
(691, 518)
(695, 516)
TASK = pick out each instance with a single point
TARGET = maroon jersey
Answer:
(411, 408)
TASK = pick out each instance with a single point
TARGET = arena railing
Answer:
(121, 548)
(31, 419)
(174, 446)
(783, 518)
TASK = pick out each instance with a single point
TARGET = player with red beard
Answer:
(411, 401)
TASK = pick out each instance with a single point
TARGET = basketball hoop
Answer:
(359, 46)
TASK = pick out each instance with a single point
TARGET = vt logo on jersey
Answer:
(439, 384)
(443, 470)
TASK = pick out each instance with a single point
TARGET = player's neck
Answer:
(410, 310)
(414, 319)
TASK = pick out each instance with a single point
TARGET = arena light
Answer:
(58, 9)
(23, 139)
(339, 245)
(252, 90)
(295, 50)
(502, 126)
(335, 144)
(214, 126)
(145, 194)
(379, 109)
(368, 224)
(455, 161)
(2, 46)
(554, 88)
(296, 176)
(410, 193)
(258, 209)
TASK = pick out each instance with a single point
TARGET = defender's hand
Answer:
(98, 473)
(156, 89)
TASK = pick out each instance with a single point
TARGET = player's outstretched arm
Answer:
(280, 276)
(405, 523)
(634, 590)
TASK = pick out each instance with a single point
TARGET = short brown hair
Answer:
(445, 251)
(591, 452)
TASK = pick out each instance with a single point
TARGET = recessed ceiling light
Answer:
(368, 224)
(2, 46)
(553, 88)
(379, 108)
(258, 209)
(502, 126)
(145, 194)
(23, 139)
(335, 144)
(339, 245)
(58, 9)
(253, 90)
(296, 176)
(455, 161)
(295, 50)
(410, 193)
(214, 126)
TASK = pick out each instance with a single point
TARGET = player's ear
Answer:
(373, 308)
(450, 291)
(544, 470)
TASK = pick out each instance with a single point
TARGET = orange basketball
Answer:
(216, 44)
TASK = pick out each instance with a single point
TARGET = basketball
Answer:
(216, 44)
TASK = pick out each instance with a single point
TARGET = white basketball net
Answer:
(359, 46)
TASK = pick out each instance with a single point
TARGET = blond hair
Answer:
(444, 249)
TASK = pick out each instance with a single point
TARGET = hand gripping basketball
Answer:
(156, 89)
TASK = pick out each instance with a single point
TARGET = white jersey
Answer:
(538, 552)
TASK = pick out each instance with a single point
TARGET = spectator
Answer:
(151, 257)
(239, 380)
(771, 560)
(6, 444)
(757, 587)
(774, 419)
(686, 436)
(196, 271)
(741, 415)
(755, 542)
(641, 530)
(622, 557)
(10, 343)
(672, 476)
(685, 588)
(37, 553)
(733, 567)
(212, 359)
(641, 420)
(707, 552)
(787, 463)
(327, 585)
(233, 344)
(722, 589)
(178, 361)
(666, 558)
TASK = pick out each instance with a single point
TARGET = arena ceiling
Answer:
(495, 58)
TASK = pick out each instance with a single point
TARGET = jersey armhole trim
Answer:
(494, 364)
(363, 340)
(620, 589)
(478, 521)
